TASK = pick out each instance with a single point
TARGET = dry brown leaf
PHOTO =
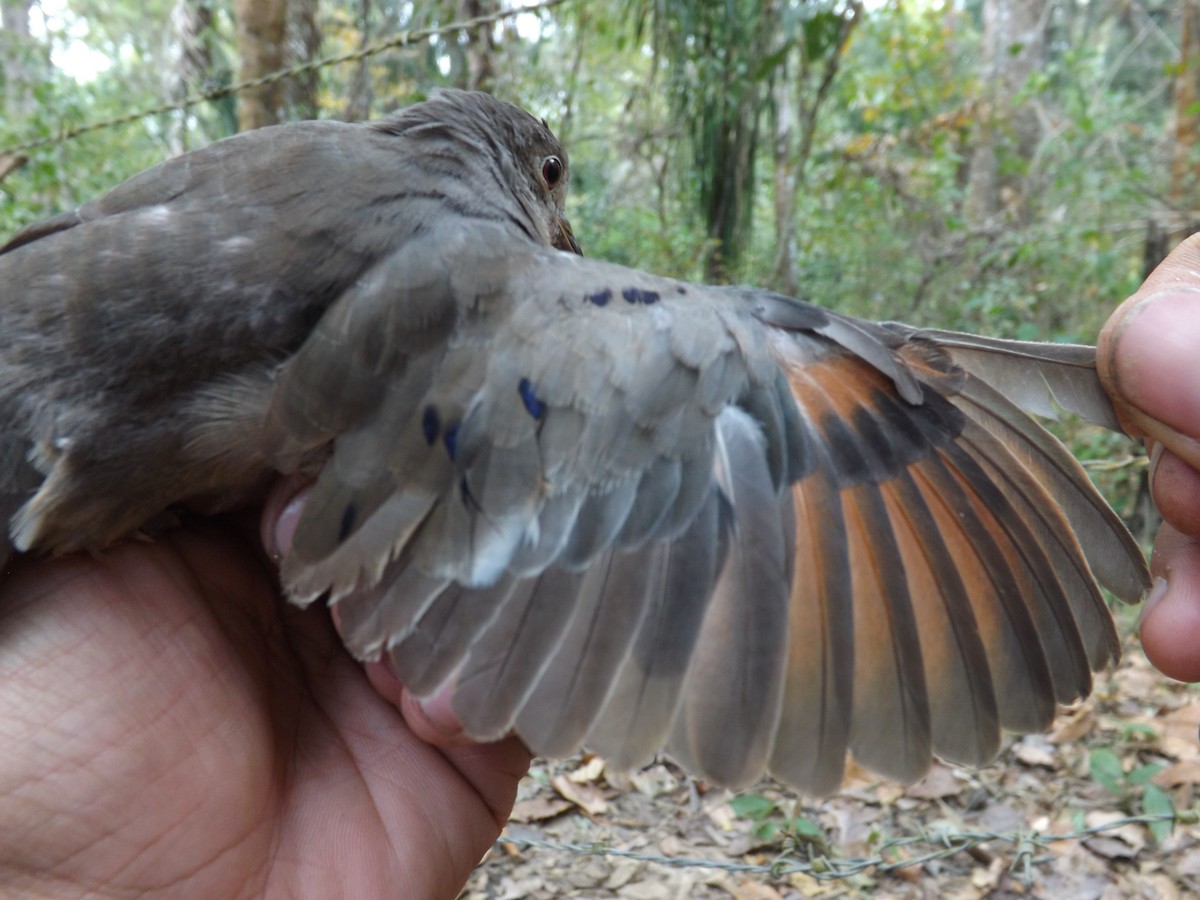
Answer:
(857, 777)
(651, 782)
(1001, 816)
(753, 890)
(591, 800)
(623, 872)
(1189, 863)
(1123, 842)
(855, 827)
(590, 771)
(1035, 750)
(722, 815)
(1163, 887)
(672, 846)
(1179, 773)
(648, 890)
(1110, 847)
(888, 792)
(539, 809)
(1177, 732)
(988, 879)
(519, 889)
(1136, 678)
(940, 782)
(1182, 722)
(1073, 726)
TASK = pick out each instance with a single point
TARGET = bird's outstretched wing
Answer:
(634, 513)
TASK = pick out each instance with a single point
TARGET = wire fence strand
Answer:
(395, 42)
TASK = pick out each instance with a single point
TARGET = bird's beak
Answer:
(565, 239)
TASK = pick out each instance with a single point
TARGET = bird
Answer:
(600, 507)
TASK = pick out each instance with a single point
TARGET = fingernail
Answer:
(280, 528)
(286, 525)
(1158, 590)
(1156, 350)
(438, 711)
(432, 719)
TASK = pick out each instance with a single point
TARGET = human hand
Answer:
(170, 726)
(1149, 359)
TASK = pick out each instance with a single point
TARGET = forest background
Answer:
(1012, 167)
(998, 165)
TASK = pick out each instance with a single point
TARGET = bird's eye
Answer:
(552, 170)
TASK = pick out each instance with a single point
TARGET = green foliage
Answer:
(1105, 767)
(66, 174)
(1156, 802)
(717, 62)
(773, 824)
(1135, 789)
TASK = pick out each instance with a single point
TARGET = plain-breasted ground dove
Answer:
(610, 508)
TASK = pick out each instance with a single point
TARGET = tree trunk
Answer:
(730, 178)
(785, 277)
(304, 45)
(728, 136)
(361, 95)
(1184, 191)
(194, 68)
(261, 27)
(16, 61)
(480, 46)
(795, 130)
(1013, 49)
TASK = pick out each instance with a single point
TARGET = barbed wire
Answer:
(402, 39)
(1028, 850)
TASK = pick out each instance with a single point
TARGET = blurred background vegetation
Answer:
(1006, 166)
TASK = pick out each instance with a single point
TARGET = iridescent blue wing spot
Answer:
(349, 517)
(600, 298)
(430, 424)
(529, 397)
(450, 439)
(637, 295)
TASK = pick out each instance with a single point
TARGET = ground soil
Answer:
(1065, 816)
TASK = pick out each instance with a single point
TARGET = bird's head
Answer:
(518, 150)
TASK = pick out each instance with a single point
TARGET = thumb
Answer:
(1148, 351)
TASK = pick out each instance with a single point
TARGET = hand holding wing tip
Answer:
(1148, 358)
